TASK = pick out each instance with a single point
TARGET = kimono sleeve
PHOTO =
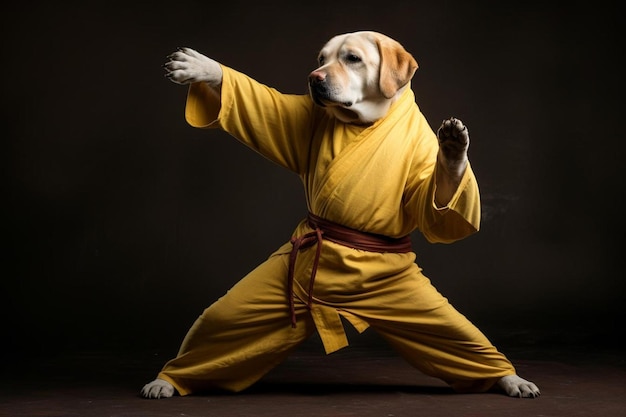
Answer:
(276, 125)
(460, 217)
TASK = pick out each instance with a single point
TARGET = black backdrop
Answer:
(122, 223)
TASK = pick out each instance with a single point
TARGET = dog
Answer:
(361, 75)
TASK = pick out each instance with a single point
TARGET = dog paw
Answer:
(514, 386)
(453, 139)
(186, 66)
(158, 388)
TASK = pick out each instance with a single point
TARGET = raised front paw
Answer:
(453, 139)
(453, 144)
(187, 66)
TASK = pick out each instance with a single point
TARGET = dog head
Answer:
(360, 76)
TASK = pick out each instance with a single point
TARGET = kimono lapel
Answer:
(361, 148)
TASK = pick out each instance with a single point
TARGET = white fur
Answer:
(159, 388)
(514, 386)
(352, 82)
(187, 66)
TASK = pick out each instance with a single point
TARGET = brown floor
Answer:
(360, 381)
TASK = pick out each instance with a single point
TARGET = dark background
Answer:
(122, 223)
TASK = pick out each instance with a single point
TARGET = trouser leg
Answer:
(438, 340)
(242, 336)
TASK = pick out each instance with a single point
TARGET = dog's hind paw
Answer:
(514, 386)
(158, 388)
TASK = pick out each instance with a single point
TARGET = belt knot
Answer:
(338, 234)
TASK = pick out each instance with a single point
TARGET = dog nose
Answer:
(317, 75)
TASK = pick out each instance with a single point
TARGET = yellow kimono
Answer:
(379, 179)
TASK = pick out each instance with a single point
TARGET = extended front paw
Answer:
(187, 66)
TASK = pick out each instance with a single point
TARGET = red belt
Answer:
(342, 235)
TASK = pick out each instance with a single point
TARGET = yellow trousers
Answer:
(248, 331)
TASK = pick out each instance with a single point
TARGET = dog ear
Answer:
(397, 66)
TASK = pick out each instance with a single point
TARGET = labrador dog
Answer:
(359, 77)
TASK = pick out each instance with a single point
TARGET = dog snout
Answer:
(318, 87)
(317, 76)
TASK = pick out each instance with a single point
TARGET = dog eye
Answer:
(321, 60)
(353, 58)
